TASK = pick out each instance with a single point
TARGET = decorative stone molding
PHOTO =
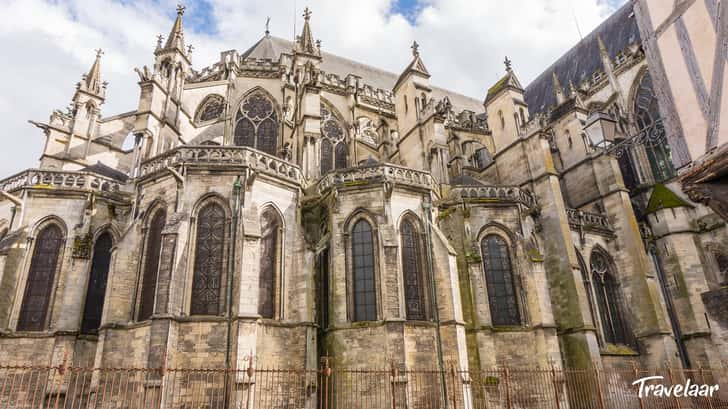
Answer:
(387, 173)
(66, 180)
(494, 194)
(217, 155)
(581, 219)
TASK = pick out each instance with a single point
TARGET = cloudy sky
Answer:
(49, 44)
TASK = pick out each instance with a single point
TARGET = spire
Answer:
(91, 82)
(176, 40)
(304, 42)
(574, 93)
(93, 78)
(416, 66)
(509, 81)
(558, 90)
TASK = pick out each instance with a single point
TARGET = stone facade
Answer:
(312, 206)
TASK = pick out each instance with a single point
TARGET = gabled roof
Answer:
(271, 47)
(508, 81)
(618, 32)
(664, 198)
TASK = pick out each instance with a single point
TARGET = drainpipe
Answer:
(674, 323)
(229, 291)
(427, 206)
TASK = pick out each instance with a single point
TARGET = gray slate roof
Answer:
(270, 47)
(617, 32)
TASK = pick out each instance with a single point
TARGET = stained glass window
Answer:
(608, 300)
(210, 109)
(500, 281)
(97, 283)
(327, 156)
(412, 272)
(270, 231)
(209, 254)
(647, 114)
(41, 275)
(151, 265)
(256, 124)
(333, 135)
(362, 252)
(587, 287)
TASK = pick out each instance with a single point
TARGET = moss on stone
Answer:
(624, 350)
(664, 198)
(444, 214)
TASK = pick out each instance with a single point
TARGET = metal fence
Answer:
(506, 388)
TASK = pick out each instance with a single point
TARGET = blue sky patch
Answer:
(407, 8)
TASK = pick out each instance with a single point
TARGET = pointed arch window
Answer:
(334, 151)
(41, 276)
(647, 114)
(256, 123)
(608, 299)
(364, 288)
(151, 264)
(586, 281)
(500, 282)
(210, 109)
(270, 260)
(98, 277)
(412, 271)
(209, 257)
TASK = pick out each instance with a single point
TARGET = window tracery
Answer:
(608, 299)
(41, 277)
(270, 259)
(256, 123)
(413, 271)
(647, 114)
(364, 288)
(151, 265)
(210, 109)
(500, 281)
(96, 292)
(334, 151)
(209, 257)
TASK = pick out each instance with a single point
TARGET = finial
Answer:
(318, 44)
(267, 26)
(160, 38)
(507, 63)
(415, 49)
(189, 49)
(307, 13)
(99, 52)
(180, 9)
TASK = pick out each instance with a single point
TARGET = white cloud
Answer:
(49, 44)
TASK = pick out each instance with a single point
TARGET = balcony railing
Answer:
(218, 155)
(382, 172)
(579, 218)
(58, 179)
(495, 194)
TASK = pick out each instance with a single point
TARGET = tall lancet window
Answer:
(500, 281)
(97, 284)
(647, 114)
(151, 264)
(412, 271)
(41, 276)
(209, 257)
(256, 123)
(334, 151)
(608, 298)
(270, 261)
(364, 288)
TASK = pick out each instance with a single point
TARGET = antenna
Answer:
(576, 21)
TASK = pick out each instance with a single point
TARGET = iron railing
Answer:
(324, 388)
